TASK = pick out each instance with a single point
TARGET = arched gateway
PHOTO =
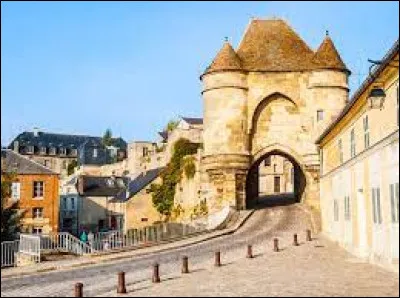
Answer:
(273, 96)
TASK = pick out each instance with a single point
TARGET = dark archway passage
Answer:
(255, 198)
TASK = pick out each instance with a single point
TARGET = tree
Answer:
(107, 138)
(71, 166)
(172, 124)
(10, 216)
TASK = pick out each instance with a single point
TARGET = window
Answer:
(366, 132)
(274, 168)
(65, 207)
(277, 184)
(47, 163)
(30, 149)
(72, 203)
(15, 191)
(145, 151)
(335, 210)
(320, 115)
(74, 152)
(376, 205)
(52, 151)
(352, 143)
(43, 150)
(95, 152)
(347, 213)
(267, 161)
(36, 230)
(394, 201)
(63, 151)
(38, 187)
(37, 212)
(64, 164)
(340, 147)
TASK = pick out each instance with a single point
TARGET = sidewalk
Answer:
(118, 255)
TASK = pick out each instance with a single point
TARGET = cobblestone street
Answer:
(316, 268)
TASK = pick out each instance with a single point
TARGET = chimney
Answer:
(35, 131)
(16, 146)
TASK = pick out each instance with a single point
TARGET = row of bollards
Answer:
(121, 287)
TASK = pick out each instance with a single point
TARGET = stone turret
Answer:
(328, 84)
(225, 120)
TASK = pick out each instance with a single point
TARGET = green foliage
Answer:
(172, 124)
(189, 167)
(203, 208)
(71, 167)
(10, 216)
(163, 194)
(199, 210)
(107, 138)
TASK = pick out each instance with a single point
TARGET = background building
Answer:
(36, 189)
(359, 186)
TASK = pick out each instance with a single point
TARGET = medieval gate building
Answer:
(272, 96)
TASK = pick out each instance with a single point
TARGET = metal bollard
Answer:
(121, 289)
(185, 264)
(217, 259)
(295, 241)
(249, 252)
(78, 289)
(156, 273)
(276, 246)
(309, 235)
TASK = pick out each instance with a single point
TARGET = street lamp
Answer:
(377, 94)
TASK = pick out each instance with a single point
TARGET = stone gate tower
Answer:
(273, 95)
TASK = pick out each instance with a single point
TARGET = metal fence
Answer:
(140, 237)
(29, 247)
(32, 247)
(8, 253)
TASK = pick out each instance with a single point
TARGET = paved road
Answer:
(100, 280)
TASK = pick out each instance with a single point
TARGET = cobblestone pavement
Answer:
(317, 268)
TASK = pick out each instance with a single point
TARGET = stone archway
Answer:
(252, 178)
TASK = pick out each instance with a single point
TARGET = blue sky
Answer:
(81, 67)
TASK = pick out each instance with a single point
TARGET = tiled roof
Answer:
(328, 57)
(19, 164)
(272, 45)
(226, 59)
(193, 121)
(391, 54)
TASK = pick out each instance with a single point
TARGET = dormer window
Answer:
(52, 151)
(63, 151)
(95, 152)
(43, 150)
(30, 149)
(110, 182)
(74, 152)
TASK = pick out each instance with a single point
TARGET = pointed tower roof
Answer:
(272, 45)
(226, 59)
(327, 56)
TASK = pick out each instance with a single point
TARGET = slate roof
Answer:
(19, 164)
(44, 139)
(193, 121)
(98, 186)
(140, 182)
(272, 45)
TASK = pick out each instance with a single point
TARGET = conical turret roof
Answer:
(327, 56)
(226, 59)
